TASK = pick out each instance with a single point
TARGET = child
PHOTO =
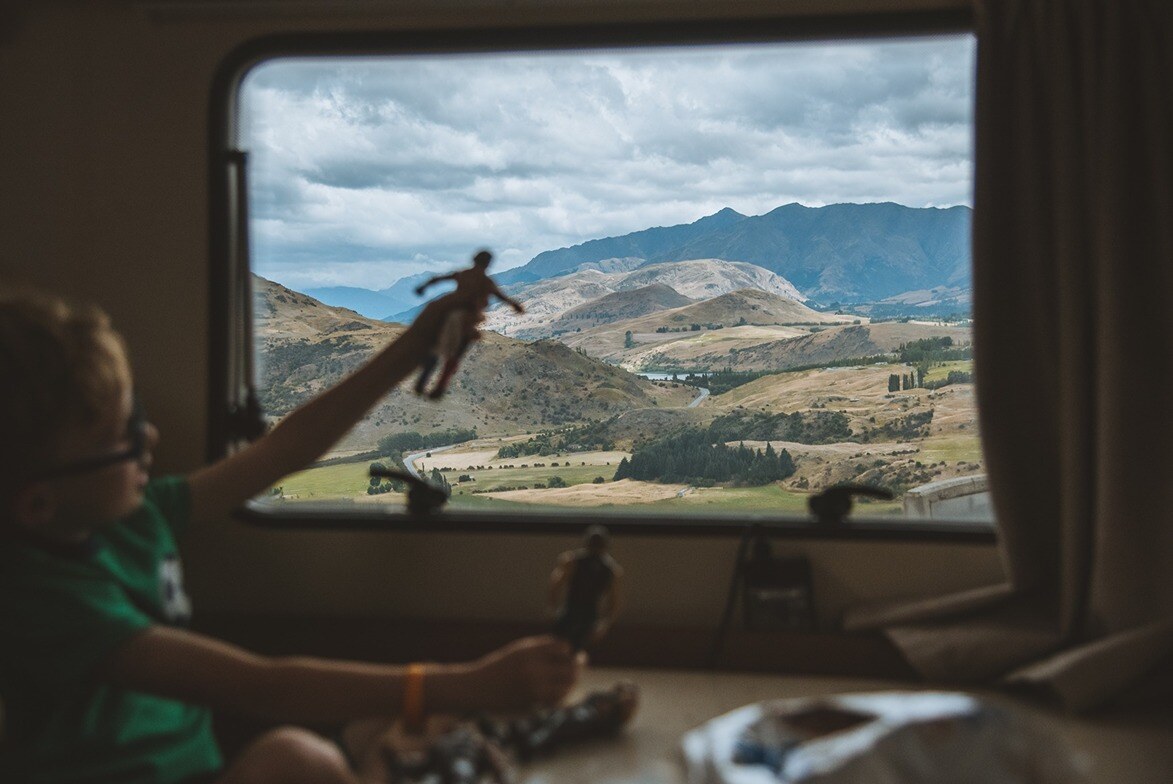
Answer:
(474, 286)
(100, 681)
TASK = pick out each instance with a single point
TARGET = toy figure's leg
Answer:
(575, 628)
(426, 368)
(450, 366)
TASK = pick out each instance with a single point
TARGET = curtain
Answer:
(1073, 303)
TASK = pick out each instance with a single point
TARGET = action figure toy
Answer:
(584, 587)
(460, 329)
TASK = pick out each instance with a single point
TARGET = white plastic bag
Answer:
(878, 738)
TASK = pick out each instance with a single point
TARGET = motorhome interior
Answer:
(252, 189)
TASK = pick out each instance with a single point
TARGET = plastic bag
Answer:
(878, 738)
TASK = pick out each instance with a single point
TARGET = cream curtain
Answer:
(1073, 298)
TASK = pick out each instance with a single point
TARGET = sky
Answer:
(363, 171)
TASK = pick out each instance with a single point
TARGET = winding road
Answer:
(409, 459)
(697, 401)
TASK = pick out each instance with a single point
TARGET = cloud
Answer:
(363, 171)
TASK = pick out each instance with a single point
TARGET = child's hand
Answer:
(527, 672)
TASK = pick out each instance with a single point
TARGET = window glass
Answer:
(746, 271)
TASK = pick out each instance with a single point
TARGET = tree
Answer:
(623, 471)
(556, 481)
(893, 383)
(628, 340)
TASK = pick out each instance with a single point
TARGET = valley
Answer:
(551, 407)
(880, 448)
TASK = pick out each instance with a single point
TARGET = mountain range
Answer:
(381, 304)
(839, 254)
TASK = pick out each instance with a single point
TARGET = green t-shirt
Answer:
(62, 612)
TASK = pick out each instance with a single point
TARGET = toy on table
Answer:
(600, 714)
(460, 756)
(460, 327)
(584, 590)
(470, 752)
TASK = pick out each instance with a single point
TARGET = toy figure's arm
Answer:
(559, 579)
(306, 433)
(612, 601)
(421, 288)
(510, 301)
(182, 665)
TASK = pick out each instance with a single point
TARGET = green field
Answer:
(513, 478)
(939, 372)
(328, 482)
(349, 480)
(951, 449)
(767, 499)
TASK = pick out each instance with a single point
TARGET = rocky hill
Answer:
(619, 306)
(696, 279)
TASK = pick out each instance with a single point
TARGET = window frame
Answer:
(230, 314)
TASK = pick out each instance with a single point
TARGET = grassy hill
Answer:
(504, 385)
(747, 318)
(815, 346)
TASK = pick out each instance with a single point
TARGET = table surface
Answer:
(1117, 749)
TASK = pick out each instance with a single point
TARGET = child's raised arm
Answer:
(311, 429)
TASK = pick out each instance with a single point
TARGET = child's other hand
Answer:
(527, 672)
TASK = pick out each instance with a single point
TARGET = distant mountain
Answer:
(380, 304)
(647, 244)
(842, 252)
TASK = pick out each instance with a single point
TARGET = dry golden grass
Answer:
(625, 492)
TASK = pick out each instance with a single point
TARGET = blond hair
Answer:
(62, 367)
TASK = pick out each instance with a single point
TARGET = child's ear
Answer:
(34, 506)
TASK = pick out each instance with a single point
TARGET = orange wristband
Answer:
(413, 698)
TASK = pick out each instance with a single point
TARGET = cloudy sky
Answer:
(364, 171)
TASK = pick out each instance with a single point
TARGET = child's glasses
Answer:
(136, 433)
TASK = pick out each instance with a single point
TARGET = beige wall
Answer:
(103, 195)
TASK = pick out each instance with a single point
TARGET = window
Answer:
(745, 265)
